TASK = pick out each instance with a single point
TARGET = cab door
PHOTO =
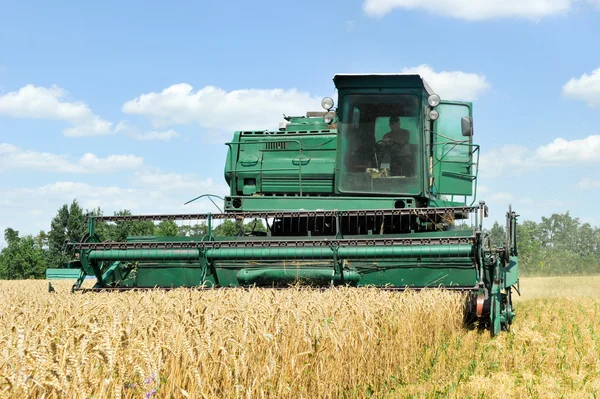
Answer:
(453, 149)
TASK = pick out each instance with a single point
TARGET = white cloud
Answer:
(164, 136)
(53, 103)
(586, 182)
(497, 201)
(473, 10)
(213, 108)
(499, 197)
(586, 87)
(18, 203)
(526, 201)
(133, 132)
(191, 184)
(456, 85)
(579, 150)
(12, 157)
(509, 157)
(93, 127)
(481, 189)
(518, 158)
(91, 163)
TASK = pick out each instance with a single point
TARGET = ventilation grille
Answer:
(276, 145)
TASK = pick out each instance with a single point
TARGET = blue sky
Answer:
(128, 105)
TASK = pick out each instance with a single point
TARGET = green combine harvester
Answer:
(378, 192)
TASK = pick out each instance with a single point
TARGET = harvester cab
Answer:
(379, 191)
(392, 143)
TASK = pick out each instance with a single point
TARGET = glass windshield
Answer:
(380, 144)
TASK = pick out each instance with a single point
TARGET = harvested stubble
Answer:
(289, 343)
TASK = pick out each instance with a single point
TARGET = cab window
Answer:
(380, 144)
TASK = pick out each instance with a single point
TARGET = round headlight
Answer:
(434, 100)
(433, 114)
(327, 103)
(328, 118)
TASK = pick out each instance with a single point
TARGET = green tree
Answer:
(167, 228)
(22, 258)
(497, 235)
(103, 230)
(119, 231)
(256, 226)
(559, 230)
(558, 245)
(530, 248)
(196, 230)
(67, 226)
(11, 236)
(41, 239)
(228, 228)
(586, 241)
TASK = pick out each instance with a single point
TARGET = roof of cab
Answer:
(370, 80)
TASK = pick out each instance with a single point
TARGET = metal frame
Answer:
(278, 214)
(309, 242)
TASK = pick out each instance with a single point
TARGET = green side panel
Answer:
(421, 277)
(227, 275)
(293, 171)
(511, 272)
(285, 276)
(282, 162)
(453, 163)
(417, 277)
(168, 277)
(409, 276)
(60, 274)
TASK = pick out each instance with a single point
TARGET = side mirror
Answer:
(466, 123)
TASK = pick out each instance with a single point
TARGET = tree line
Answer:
(557, 245)
(29, 256)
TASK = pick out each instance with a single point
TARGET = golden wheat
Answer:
(289, 343)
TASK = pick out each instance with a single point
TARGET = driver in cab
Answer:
(394, 149)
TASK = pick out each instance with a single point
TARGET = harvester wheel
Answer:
(508, 311)
(477, 312)
(470, 313)
(480, 309)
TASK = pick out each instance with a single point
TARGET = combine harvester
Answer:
(380, 193)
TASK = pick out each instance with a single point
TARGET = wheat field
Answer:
(339, 343)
